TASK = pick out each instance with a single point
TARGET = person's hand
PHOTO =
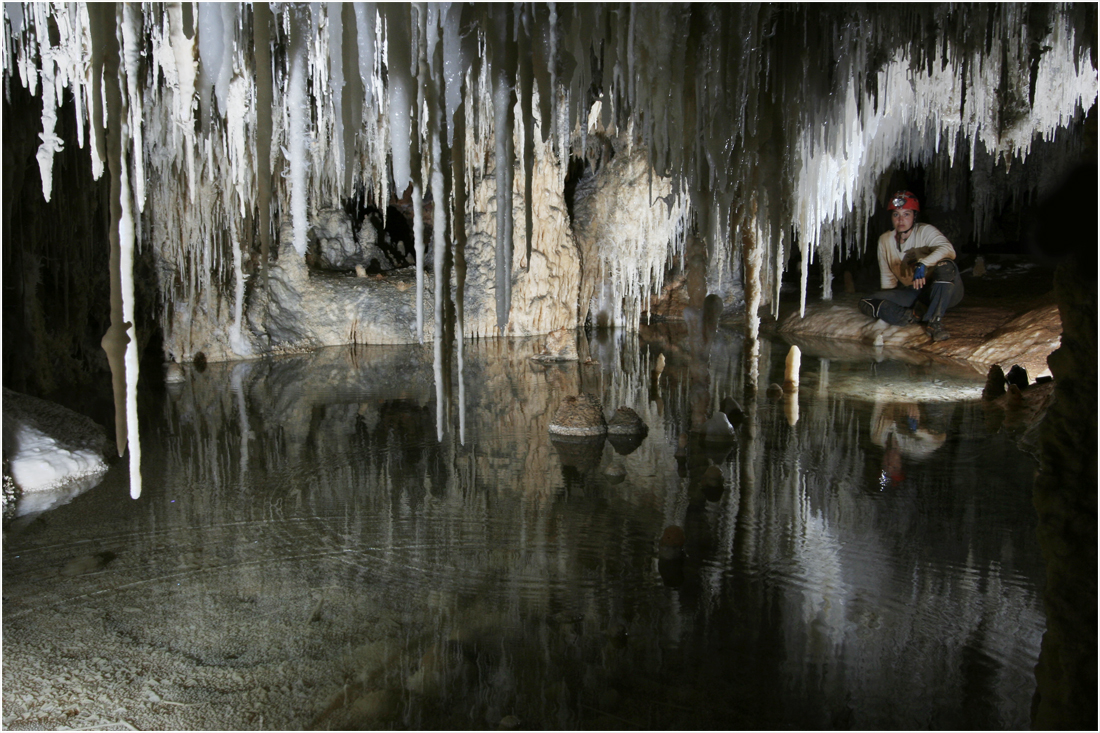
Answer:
(918, 276)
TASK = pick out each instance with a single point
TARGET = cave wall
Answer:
(55, 273)
(1066, 485)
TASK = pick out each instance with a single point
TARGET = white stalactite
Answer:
(891, 99)
(298, 114)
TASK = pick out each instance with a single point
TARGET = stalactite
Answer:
(297, 136)
(502, 107)
(706, 90)
(51, 143)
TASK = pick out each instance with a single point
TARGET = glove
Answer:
(918, 272)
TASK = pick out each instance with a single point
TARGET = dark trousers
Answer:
(943, 289)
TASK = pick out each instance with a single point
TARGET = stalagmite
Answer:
(752, 255)
(790, 372)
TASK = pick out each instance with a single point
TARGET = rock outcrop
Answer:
(51, 453)
(579, 416)
(981, 334)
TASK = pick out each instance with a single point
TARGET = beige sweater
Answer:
(892, 264)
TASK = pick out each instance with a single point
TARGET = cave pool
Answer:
(343, 540)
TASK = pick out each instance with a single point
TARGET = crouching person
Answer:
(916, 264)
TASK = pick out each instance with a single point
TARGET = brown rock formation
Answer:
(580, 416)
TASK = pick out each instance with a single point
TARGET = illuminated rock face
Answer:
(544, 285)
(627, 223)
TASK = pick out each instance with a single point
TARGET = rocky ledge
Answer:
(984, 332)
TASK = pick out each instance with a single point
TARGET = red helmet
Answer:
(904, 200)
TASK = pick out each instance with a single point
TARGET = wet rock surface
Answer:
(579, 416)
(51, 454)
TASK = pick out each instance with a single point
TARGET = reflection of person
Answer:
(908, 425)
(916, 263)
(902, 430)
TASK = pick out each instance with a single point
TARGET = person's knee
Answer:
(945, 272)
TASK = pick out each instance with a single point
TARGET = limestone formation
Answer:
(627, 422)
(543, 285)
(1017, 375)
(994, 383)
(624, 218)
(579, 416)
(302, 310)
(334, 245)
(51, 449)
(791, 370)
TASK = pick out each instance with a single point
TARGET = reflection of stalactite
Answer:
(474, 545)
(752, 254)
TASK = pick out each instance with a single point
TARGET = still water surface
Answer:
(323, 542)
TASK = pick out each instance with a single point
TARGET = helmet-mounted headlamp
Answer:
(904, 200)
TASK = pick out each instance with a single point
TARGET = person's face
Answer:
(903, 219)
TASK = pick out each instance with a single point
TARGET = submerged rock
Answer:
(624, 445)
(579, 416)
(509, 722)
(713, 483)
(615, 472)
(87, 563)
(713, 478)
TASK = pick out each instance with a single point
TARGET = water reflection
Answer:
(309, 552)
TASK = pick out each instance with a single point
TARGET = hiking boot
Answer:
(937, 331)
